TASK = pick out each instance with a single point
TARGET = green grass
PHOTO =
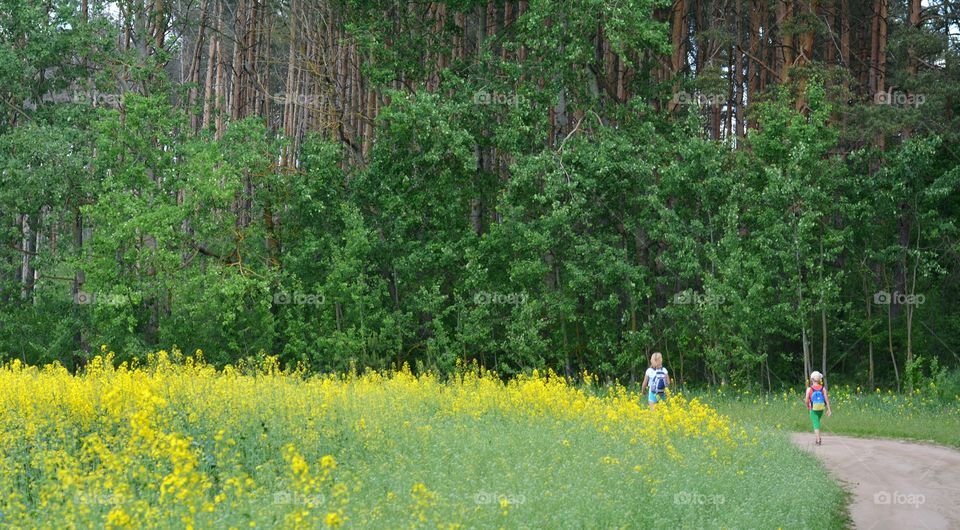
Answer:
(922, 416)
(919, 417)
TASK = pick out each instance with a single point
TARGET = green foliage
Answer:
(508, 208)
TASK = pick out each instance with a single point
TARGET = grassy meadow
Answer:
(178, 444)
(919, 415)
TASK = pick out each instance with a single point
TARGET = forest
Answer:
(755, 188)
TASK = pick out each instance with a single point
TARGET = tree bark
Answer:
(28, 250)
(845, 37)
(678, 35)
(738, 93)
(784, 16)
(893, 357)
(195, 118)
(913, 64)
(159, 25)
(220, 94)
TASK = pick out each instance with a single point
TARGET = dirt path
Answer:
(895, 484)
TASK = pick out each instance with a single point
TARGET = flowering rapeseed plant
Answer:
(177, 443)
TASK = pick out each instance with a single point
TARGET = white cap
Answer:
(816, 376)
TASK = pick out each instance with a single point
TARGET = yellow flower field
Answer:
(179, 444)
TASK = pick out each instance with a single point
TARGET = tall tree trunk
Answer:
(220, 94)
(484, 154)
(869, 300)
(755, 65)
(235, 105)
(251, 39)
(369, 117)
(882, 45)
(195, 118)
(805, 342)
(731, 92)
(845, 37)
(832, 44)
(28, 250)
(212, 60)
(823, 340)
(159, 24)
(678, 36)
(910, 307)
(738, 92)
(823, 314)
(804, 41)
(893, 357)
(913, 62)
(291, 93)
(878, 47)
(784, 17)
(79, 338)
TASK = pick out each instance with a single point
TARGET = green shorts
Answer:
(815, 416)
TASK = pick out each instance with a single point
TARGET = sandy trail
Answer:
(895, 484)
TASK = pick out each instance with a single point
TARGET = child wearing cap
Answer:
(817, 402)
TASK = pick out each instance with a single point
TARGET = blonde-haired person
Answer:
(656, 379)
(817, 402)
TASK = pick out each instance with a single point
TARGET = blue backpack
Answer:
(659, 382)
(818, 399)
